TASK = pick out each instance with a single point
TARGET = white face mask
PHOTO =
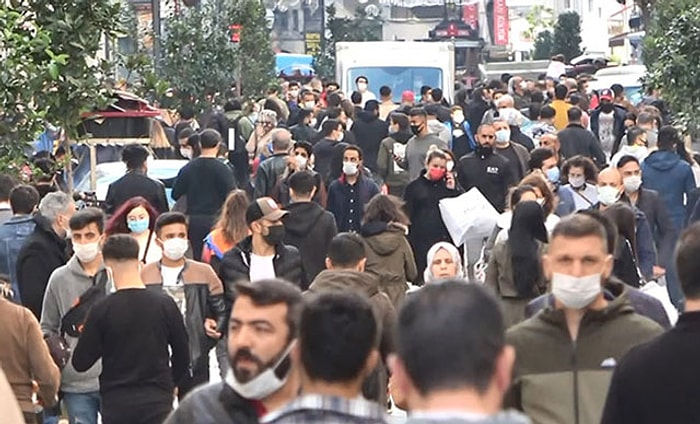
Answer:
(341, 136)
(175, 248)
(458, 117)
(293, 94)
(362, 86)
(632, 183)
(577, 182)
(86, 252)
(502, 136)
(309, 105)
(186, 153)
(576, 292)
(301, 161)
(349, 168)
(608, 195)
(263, 385)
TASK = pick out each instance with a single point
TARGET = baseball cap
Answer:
(408, 96)
(606, 94)
(264, 208)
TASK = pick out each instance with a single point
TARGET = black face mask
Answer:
(607, 107)
(484, 149)
(416, 129)
(275, 235)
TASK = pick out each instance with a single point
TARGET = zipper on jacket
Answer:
(574, 366)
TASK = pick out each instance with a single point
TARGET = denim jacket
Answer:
(12, 236)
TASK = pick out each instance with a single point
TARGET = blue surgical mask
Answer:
(553, 174)
(138, 226)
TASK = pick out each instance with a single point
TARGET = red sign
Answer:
(235, 33)
(500, 22)
(470, 14)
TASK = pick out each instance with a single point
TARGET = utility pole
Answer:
(155, 13)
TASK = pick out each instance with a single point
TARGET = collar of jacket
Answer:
(575, 125)
(360, 176)
(246, 247)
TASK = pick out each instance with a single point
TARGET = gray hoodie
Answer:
(506, 417)
(66, 284)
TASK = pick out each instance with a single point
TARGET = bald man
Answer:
(610, 191)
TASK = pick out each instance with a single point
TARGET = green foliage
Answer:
(257, 60)
(360, 28)
(544, 43)
(567, 35)
(539, 18)
(672, 56)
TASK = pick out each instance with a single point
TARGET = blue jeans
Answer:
(82, 407)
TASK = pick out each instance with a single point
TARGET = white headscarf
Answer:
(452, 250)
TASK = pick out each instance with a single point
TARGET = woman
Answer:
(257, 145)
(422, 197)
(389, 256)
(581, 174)
(444, 261)
(546, 199)
(230, 228)
(521, 193)
(137, 218)
(514, 271)
(625, 266)
(189, 144)
(301, 161)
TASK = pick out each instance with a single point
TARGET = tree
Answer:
(360, 28)
(672, 56)
(544, 43)
(539, 18)
(567, 35)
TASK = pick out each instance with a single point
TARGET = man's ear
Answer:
(503, 373)
(329, 263)
(361, 265)
(372, 361)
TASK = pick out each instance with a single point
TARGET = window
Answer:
(398, 78)
(295, 21)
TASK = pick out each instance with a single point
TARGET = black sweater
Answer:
(492, 174)
(206, 182)
(131, 331)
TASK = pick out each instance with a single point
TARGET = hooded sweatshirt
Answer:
(387, 168)
(309, 228)
(672, 177)
(369, 132)
(65, 286)
(639, 152)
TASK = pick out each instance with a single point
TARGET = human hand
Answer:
(450, 181)
(210, 329)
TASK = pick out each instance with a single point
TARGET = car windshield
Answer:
(398, 78)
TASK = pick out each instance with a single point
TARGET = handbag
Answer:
(59, 349)
(658, 290)
(480, 267)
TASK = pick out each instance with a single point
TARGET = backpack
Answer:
(73, 321)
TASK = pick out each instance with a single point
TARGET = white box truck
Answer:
(401, 65)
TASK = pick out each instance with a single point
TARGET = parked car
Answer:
(630, 77)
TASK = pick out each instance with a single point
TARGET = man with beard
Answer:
(262, 331)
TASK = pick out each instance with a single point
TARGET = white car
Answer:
(630, 77)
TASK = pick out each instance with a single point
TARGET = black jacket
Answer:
(136, 184)
(235, 266)
(660, 223)
(475, 113)
(269, 173)
(369, 132)
(576, 140)
(213, 404)
(43, 251)
(492, 174)
(302, 132)
(655, 381)
(310, 228)
(324, 151)
(618, 125)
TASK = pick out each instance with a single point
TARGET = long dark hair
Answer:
(526, 229)
(623, 217)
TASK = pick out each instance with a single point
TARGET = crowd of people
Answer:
(307, 248)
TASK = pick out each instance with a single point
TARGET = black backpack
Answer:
(73, 321)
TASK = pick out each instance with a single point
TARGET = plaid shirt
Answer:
(311, 409)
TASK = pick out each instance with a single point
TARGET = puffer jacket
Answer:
(203, 293)
(390, 258)
(557, 380)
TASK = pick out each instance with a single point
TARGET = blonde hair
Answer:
(231, 222)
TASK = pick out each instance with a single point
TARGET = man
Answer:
(544, 124)
(348, 195)
(271, 169)
(84, 271)
(516, 88)
(263, 254)
(362, 85)
(336, 351)
(635, 145)
(551, 141)
(486, 170)
(44, 250)
(643, 392)
(435, 126)
(302, 161)
(620, 98)
(610, 191)
(262, 331)
(7, 183)
(345, 271)
(436, 97)
(235, 128)
(561, 107)
(577, 140)
(463, 375)
(408, 100)
(395, 177)
(516, 154)
(369, 132)
(608, 122)
(481, 102)
(304, 130)
(461, 138)
(417, 147)
(562, 368)
(308, 227)
(325, 149)
(133, 331)
(23, 200)
(649, 123)
(196, 290)
(136, 183)
(387, 105)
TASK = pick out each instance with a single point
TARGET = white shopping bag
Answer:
(468, 216)
(660, 292)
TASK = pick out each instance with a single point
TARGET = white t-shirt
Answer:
(261, 267)
(173, 287)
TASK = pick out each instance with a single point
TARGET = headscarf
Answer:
(527, 227)
(428, 275)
